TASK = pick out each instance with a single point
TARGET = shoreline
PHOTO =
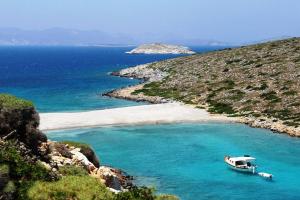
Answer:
(143, 72)
(134, 115)
(261, 122)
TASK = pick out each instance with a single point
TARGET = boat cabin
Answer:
(241, 161)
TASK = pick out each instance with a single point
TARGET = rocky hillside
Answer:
(259, 83)
(32, 167)
(158, 48)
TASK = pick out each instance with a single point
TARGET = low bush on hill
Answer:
(12, 102)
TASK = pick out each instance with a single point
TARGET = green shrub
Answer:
(290, 123)
(72, 171)
(263, 86)
(136, 92)
(248, 62)
(228, 84)
(201, 107)
(23, 172)
(86, 187)
(284, 114)
(236, 95)
(247, 108)
(76, 144)
(142, 193)
(4, 169)
(70, 187)
(210, 96)
(256, 114)
(290, 93)
(228, 62)
(154, 89)
(152, 85)
(217, 107)
(258, 65)
(249, 87)
(295, 104)
(166, 197)
(271, 96)
(12, 102)
(10, 187)
(20, 168)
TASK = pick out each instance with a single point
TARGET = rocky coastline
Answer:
(144, 73)
(128, 94)
(272, 124)
(148, 73)
(24, 146)
(61, 155)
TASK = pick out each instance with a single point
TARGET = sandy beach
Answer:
(145, 114)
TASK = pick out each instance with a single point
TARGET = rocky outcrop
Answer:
(89, 153)
(114, 179)
(158, 48)
(143, 72)
(272, 124)
(128, 93)
(85, 149)
(67, 155)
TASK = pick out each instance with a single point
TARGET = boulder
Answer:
(91, 156)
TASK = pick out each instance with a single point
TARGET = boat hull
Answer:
(246, 170)
(251, 169)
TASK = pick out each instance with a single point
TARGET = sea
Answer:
(185, 159)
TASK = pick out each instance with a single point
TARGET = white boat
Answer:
(242, 163)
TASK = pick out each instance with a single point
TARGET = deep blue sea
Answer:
(69, 78)
(182, 159)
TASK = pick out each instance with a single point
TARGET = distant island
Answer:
(258, 84)
(159, 48)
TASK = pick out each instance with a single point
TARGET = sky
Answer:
(231, 21)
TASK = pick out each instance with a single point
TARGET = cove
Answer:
(187, 159)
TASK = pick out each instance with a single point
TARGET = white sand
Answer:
(146, 114)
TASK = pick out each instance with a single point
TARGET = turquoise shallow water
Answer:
(187, 159)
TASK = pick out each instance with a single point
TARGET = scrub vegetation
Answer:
(11, 102)
(256, 80)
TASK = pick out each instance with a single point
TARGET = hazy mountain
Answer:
(60, 36)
